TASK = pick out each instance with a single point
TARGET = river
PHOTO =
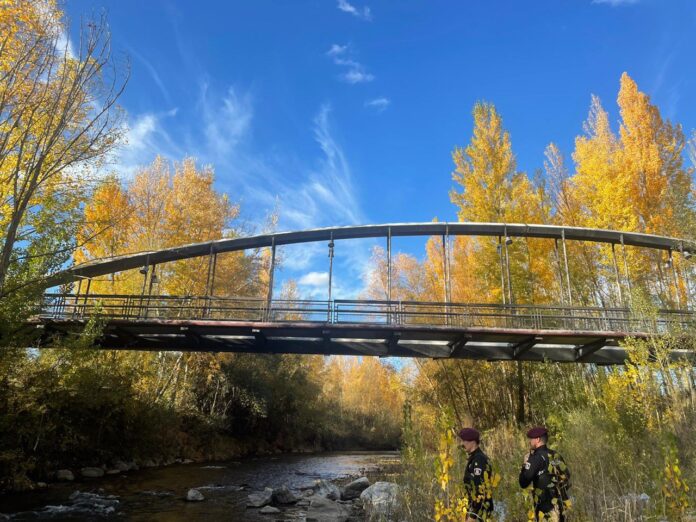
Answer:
(158, 494)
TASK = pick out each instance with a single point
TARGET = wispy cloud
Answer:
(226, 121)
(379, 104)
(346, 7)
(145, 137)
(309, 192)
(152, 72)
(355, 72)
(615, 3)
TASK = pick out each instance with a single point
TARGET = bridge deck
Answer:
(354, 327)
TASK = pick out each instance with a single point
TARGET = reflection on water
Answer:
(158, 494)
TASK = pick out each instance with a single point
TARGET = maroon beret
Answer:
(469, 434)
(538, 431)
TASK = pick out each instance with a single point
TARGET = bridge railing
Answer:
(406, 313)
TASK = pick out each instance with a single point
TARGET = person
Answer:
(547, 472)
(477, 477)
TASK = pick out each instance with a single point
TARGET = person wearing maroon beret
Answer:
(476, 477)
(548, 473)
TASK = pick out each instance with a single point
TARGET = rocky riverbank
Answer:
(331, 487)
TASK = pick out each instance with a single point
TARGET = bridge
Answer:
(389, 328)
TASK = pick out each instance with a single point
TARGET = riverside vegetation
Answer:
(627, 433)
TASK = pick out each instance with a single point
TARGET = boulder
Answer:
(65, 475)
(113, 471)
(283, 495)
(326, 489)
(194, 495)
(353, 489)
(91, 472)
(324, 510)
(269, 510)
(380, 499)
(120, 465)
(261, 499)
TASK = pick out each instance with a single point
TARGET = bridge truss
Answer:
(503, 331)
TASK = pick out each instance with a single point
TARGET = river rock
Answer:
(326, 489)
(261, 499)
(91, 472)
(269, 510)
(120, 465)
(194, 495)
(324, 510)
(113, 471)
(380, 499)
(97, 503)
(353, 489)
(283, 495)
(65, 475)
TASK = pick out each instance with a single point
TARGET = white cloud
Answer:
(64, 44)
(615, 3)
(379, 104)
(355, 71)
(357, 75)
(337, 50)
(346, 7)
(314, 279)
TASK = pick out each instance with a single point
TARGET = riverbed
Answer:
(158, 494)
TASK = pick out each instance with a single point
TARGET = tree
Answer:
(494, 191)
(635, 181)
(58, 120)
(165, 206)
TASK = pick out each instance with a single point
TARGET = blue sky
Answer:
(345, 112)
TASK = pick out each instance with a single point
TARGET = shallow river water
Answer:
(158, 494)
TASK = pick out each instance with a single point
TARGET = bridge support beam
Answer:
(567, 271)
(583, 352)
(524, 346)
(628, 274)
(676, 280)
(619, 288)
(502, 270)
(331, 257)
(560, 271)
(506, 242)
(389, 271)
(271, 270)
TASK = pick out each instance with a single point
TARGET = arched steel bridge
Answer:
(494, 332)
